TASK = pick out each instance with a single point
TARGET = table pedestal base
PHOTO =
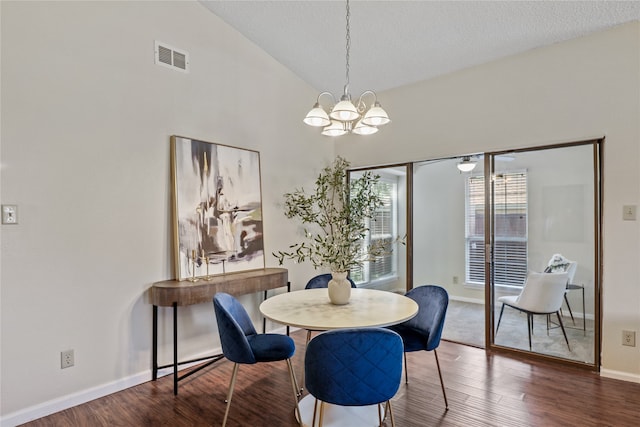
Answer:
(344, 416)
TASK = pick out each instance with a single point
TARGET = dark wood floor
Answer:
(483, 390)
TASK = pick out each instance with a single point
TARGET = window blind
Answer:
(510, 229)
(382, 228)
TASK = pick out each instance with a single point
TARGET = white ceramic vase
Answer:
(339, 288)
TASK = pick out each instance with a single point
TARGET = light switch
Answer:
(629, 212)
(9, 214)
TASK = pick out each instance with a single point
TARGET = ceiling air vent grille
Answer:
(170, 57)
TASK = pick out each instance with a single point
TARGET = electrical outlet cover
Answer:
(66, 359)
(629, 338)
(9, 214)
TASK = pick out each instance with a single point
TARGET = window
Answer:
(382, 228)
(510, 224)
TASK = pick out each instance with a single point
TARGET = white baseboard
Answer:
(74, 399)
(465, 299)
(64, 402)
(618, 375)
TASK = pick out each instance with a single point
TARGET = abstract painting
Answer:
(217, 208)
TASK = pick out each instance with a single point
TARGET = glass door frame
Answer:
(489, 168)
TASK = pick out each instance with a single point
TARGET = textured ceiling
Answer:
(394, 43)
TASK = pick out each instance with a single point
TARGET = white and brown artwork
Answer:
(217, 208)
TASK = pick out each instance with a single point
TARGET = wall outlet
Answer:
(66, 359)
(629, 212)
(455, 280)
(629, 338)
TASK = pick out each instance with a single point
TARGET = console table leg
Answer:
(175, 348)
(154, 372)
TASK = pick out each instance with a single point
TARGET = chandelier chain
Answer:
(346, 88)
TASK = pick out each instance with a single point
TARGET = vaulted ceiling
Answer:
(394, 43)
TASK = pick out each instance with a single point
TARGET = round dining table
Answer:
(311, 309)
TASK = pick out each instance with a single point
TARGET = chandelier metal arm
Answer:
(333, 99)
(361, 105)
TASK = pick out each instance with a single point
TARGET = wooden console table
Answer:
(174, 293)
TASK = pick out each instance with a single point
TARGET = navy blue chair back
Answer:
(322, 281)
(432, 303)
(234, 326)
(354, 367)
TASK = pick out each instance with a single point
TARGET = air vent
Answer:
(170, 57)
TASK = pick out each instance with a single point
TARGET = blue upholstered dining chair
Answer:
(354, 367)
(242, 345)
(423, 332)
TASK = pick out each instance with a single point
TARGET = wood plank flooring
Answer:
(483, 390)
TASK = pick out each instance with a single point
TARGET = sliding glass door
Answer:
(482, 233)
(541, 215)
(484, 226)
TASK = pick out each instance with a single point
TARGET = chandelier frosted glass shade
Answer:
(336, 128)
(363, 129)
(317, 117)
(376, 116)
(344, 111)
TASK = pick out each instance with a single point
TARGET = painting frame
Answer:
(217, 209)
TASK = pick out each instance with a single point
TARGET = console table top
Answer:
(185, 292)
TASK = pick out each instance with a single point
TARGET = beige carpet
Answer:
(465, 324)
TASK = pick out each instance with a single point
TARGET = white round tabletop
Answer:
(311, 309)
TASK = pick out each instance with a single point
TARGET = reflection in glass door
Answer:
(389, 225)
(542, 263)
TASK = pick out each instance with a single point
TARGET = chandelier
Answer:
(345, 116)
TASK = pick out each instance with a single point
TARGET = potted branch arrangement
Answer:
(336, 216)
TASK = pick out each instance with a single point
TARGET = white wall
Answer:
(86, 121)
(571, 91)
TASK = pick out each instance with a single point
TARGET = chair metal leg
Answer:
(387, 410)
(500, 318)
(321, 414)
(406, 371)
(301, 389)
(566, 300)
(529, 327)
(563, 331)
(444, 393)
(296, 395)
(548, 322)
(584, 315)
(315, 413)
(230, 393)
(393, 422)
